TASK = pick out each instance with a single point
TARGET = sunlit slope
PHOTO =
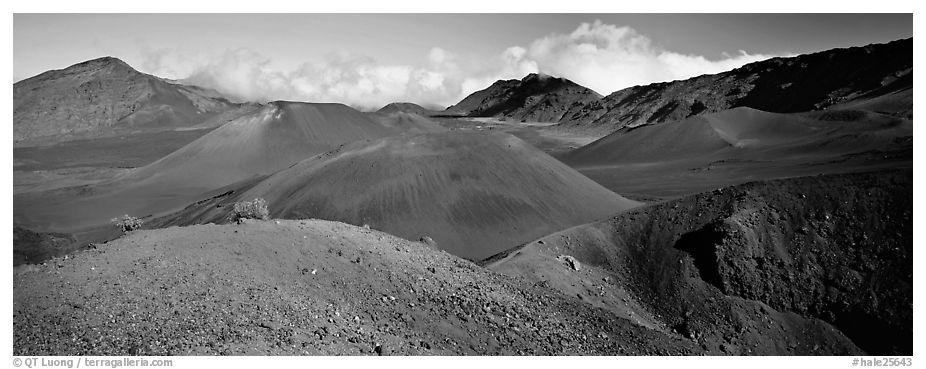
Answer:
(272, 138)
(475, 194)
(746, 133)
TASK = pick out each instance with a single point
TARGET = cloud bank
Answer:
(603, 57)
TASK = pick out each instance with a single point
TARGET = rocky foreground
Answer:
(306, 287)
(806, 266)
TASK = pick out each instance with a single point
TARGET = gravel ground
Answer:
(302, 288)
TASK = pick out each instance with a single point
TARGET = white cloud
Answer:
(607, 58)
(244, 74)
(600, 56)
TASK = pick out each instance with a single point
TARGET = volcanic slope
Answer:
(782, 85)
(405, 107)
(407, 123)
(473, 193)
(35, 247)
(779, 267)
(743, 144)
(306, 287)
(535, 98)
(106, 97)
(278, 135)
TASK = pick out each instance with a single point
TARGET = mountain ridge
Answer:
(106, 97)
(536, 97)
(801, 83)
(405, 107)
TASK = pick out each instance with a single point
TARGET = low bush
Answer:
(254, 209)
(127, 223)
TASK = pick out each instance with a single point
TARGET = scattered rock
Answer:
(428, 241)
(270, 325)
(570, 262)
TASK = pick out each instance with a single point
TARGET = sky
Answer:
(369, 60)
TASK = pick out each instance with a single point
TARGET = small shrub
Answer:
(255, 209)
(127, 223)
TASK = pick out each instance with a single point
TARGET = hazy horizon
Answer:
(369, 60)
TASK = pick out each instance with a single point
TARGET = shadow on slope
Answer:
(765, 268)
(34, 247)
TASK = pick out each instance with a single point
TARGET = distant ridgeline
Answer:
(537, 97)
(876, 77)
(106, 97)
